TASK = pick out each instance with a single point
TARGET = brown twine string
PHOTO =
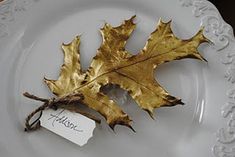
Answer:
(54, 103)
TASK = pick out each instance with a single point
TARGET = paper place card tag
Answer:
(72, 126)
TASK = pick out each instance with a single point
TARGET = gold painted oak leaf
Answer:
(133, 73)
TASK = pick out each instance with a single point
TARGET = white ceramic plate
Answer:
(31, 33)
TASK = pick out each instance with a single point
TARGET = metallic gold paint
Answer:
(114, 65)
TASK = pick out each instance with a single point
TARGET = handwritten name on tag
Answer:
(72, 126)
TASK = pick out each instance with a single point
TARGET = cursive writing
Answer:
(63, 120)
